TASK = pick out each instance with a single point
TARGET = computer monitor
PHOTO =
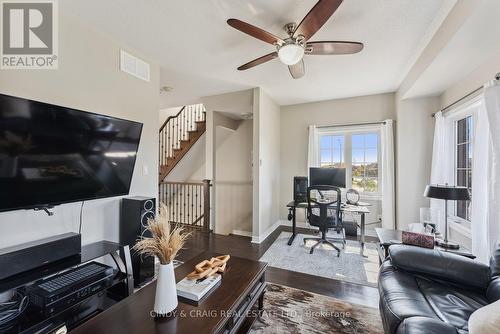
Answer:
(327, 177)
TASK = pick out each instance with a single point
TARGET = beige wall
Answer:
(89, 79)
(482, 74)
(294, 135)
(234, 179)
(267, 165)
(415, 133)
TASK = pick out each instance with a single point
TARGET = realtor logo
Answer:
(29, 34)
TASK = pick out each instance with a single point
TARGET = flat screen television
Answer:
(51, 155)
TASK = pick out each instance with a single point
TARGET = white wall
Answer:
(294, 134)
(89, 79)
(234, 179)
(192, 167)
(415, 133)
(267, 165)
(166, 113)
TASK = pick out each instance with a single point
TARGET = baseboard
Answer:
(266, 233)
(242, 233)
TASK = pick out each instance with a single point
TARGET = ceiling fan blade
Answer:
(333, 48)
(258, 61)
(254, 31)
(298, 70)
(316, 17)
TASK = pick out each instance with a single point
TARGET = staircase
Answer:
(178, 134)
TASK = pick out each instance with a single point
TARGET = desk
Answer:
(225, 310)
(361, 210)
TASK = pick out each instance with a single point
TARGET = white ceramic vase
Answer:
(166, 291)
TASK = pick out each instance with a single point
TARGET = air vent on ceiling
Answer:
(134, 66)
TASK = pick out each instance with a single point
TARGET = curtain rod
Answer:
(475, 91)
(350, 124)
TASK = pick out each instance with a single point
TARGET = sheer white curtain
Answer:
(485, 216)
(387, 157)
(439, 167)
(312, 151)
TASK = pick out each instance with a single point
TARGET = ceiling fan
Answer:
(291, 50)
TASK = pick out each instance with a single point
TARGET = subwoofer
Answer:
(135, 212)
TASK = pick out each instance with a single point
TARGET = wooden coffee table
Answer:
(388, 237)
(223, 311)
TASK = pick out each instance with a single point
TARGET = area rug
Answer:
(350, 266)
(288, 310)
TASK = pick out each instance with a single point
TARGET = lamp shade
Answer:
(447, 192)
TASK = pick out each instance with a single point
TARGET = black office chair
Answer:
(323, 211)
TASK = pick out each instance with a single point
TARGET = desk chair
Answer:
(323, 211)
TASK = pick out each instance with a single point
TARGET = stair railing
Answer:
(188, 203)
(176, 128)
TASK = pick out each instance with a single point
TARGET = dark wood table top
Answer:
(132, 315)
(389, 237)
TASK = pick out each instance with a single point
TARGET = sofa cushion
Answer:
(452, 305)
(422, 325)
(404, 295)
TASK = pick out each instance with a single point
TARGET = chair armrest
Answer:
(442, 265)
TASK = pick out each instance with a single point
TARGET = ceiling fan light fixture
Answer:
(290, 54)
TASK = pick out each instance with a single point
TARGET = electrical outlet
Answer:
(145, 170)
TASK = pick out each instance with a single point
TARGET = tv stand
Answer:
(33, 320)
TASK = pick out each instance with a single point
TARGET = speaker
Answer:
(135, 212)
(20, 258)
(300, 189)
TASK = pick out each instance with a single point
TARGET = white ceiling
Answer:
(199, 53)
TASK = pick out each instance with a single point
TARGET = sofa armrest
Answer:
(442, 265)
(422, 325)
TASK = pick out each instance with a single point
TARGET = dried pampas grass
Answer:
(165, 241)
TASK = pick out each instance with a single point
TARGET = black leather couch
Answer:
(429, 291)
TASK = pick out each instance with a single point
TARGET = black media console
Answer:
(121, 285)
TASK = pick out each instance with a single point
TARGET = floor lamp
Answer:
(448, 193)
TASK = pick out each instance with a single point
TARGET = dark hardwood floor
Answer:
(243, 247)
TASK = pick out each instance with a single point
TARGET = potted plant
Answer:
(164, 244)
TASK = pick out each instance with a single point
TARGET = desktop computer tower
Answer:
(135, 212)
(300, 184)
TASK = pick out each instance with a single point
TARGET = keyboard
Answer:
(63, 290)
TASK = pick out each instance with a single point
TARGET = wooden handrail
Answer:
(170, 117)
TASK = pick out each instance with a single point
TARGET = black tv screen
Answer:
(51, 155)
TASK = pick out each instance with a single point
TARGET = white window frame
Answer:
(470, 108)
(347, 132)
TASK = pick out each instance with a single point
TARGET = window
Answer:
(357, 150)
(365, 162)
(463, 162)
(332, 151)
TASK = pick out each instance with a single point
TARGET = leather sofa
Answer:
(429, 291)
